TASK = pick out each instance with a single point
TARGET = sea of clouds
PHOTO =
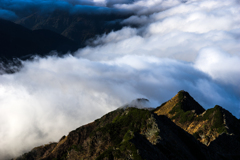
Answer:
(179, 45)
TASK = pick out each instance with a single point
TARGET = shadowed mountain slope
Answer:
(127, 134)
(19, 42)
(77, 27)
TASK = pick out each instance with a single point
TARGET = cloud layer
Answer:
(191, 45)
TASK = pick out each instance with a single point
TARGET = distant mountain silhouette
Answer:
(17, 41)
(77, 27)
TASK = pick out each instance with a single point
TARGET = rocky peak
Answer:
(205, 126)
(182, 101)
(188, 103)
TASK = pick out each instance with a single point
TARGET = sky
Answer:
(16, 9)
(190, 45)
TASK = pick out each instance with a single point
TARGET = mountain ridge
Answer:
(133, 133)
(205, 125)
(77, 27)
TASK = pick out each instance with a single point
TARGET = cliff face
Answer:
(133, 133)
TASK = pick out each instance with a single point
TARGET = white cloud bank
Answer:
(192, 46)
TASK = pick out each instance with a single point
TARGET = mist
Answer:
(191, 45)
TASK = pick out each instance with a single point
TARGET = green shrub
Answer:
(208, 113)
(181, 94)
(76, 148)
(128, 146)
(177, 108)
(180, 113)
(121, 130)
(135, 120)
(129, 135)
(186, 116)
(218, 123)
(107, 153)
(196, 135)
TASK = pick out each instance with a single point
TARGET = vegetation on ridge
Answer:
(215, 118)
(134, 120)
(138, 134)
(122, 130)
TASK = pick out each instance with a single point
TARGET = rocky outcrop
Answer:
(209, 127)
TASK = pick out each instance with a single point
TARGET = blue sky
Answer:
(14, 9)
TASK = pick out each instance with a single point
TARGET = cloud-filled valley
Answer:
(178, 45)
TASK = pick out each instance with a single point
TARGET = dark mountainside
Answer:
(19, 42)
(77, 27)
(39, 34)
(174, 130)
